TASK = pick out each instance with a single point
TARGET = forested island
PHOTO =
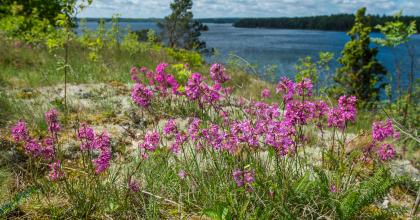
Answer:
(337, 22)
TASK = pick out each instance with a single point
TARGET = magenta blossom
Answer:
(243, 178)
(87, 137)
(386, 152)
(265, 93)
(51, 117)
(193, 90)
(304, 88)
(55, 171)
(170, 127)
(141, 95)
(287, 88)
(383, 130)
(20, 132)
(217, 73)
(150, 141)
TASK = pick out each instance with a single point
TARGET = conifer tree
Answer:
(179, 28)
(360, 73)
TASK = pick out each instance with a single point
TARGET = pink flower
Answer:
(182, 174)
(87, 137)
(102, 162)
(193, 129)
(217, 73)
(383, 130)
(55, 171)
(304, 88)
(243, 178)
(347, 106)
(265, 93)
(32, 147)
(192, 90)
(150, 142)
(386, 152)
(48, 150)
(170, 127)
(133, 185)
(336, 119)
(298, 112)
(134, 77)
(141, 95)
(20, 132)
(51, 117)
(287, 88)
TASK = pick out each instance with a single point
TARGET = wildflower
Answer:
(217, 73)
(347, 106)
(182, 174)
(210, 95)
(333, 188)
(141, 95)
(299, 113)
(336, 119)
(265, 93)
(55, 171)
(160, 69)
(51, 117)
(150, 142)
(32, 147)
(48, 150)
(287, 88)
(102, 162)
(171, 81)
(133, 185)
(20, 132)
(192, 90)
(383, 130)
(102, 141)
(304, 88)
(321, 109)
(170, 127)
(386, 152)
(133, 73)
(243, 178)
(194, 128)
(87, 136)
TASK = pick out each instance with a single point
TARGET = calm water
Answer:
(266, 47)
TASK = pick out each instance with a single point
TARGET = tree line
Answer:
(336, 22)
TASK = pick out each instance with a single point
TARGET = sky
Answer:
(249, 8)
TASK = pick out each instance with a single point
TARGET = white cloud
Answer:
(249, 8)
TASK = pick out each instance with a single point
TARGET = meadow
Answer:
(107, 129)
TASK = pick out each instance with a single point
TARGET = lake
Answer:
(283, 48)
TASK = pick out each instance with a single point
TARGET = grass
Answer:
(292, 187)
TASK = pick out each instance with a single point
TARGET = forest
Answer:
(336, 22)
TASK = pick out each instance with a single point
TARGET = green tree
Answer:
(180, 29)
(360, 73)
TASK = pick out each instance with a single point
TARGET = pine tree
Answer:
(361, 74)
(180, 29)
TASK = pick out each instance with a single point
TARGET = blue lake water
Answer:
(283, 48)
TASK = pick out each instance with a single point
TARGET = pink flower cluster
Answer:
(99, 142)
(45, 147)
(380, 132)
(55, 171)
(195, 88)
(345, 111)
(51, 117)
(150, 143)
(244, 178)
(217, 73)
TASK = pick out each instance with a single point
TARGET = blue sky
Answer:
(249, 8)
